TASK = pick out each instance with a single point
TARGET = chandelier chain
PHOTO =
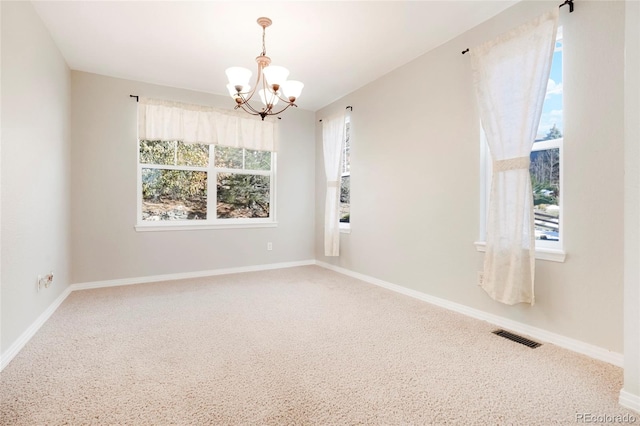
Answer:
(264, 49)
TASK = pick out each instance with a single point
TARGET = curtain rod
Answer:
(349, 107)
(566, 2)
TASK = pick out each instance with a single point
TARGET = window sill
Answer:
(154, 227)
(552, 255)
(345, 228)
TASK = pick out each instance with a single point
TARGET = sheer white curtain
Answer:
(165, 120)
(510, 75)
(332, 140)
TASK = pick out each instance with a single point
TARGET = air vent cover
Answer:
(517, 339)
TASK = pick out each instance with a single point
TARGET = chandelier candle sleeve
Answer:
(271, 83)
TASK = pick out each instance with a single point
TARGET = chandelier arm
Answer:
(266, 112)
(253, 111)
(246, 96)
(284, 100)
(283, 109)
(246, 106)
(250, 111)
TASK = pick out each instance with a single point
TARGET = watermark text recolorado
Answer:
(605, 418)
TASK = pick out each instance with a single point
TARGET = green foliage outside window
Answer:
(545, 172)
(174, 153)
(174, 194)
(170, 194)
(241, 195)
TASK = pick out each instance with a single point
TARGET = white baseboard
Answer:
(626, 399)
(24, 338)
(630, 400)
(186, 275)
(583, 348)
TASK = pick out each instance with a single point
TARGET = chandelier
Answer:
(272, 81)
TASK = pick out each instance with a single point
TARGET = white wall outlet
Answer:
(44, 281)
(48, 279)
(480, 277)
(269, 246)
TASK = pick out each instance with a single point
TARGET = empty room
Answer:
(320, 212)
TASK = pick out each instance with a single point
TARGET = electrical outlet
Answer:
(45, 280)
(48, 280)
(269, 246)
(480, 277)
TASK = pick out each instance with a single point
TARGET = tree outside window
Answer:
(176, 183)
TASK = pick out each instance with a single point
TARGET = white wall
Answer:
(632, 205)
(415, 178)
(35, 169)
(105, 245)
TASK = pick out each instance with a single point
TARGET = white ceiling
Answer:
(334, 47)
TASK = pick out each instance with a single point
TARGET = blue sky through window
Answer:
(552, 108)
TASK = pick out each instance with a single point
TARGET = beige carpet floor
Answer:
(293, 346)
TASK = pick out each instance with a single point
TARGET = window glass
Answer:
(242, 196)
(157, 152)
(545, 155)
(192, 154)
(174, 179)
(345, 179)
(257, 160)
(551, 121)
(229, 157)
(173, 195)
(545, 179)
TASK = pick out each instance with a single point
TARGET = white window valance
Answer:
(166, 120)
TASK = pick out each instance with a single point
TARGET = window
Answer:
(545, 168)
(345, 179)
(546, 156)
(175, 185)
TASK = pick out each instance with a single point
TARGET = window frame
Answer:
(212, 177)
(345, 227)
